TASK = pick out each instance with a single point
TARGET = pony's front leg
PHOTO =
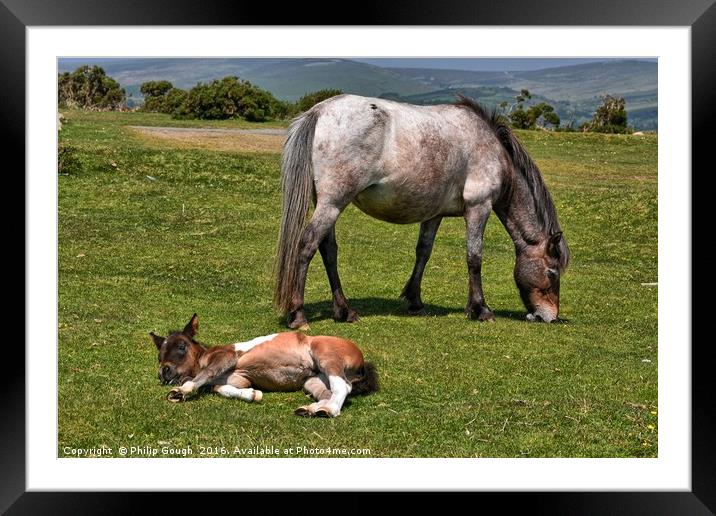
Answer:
(423, 249)
(329, 253)
(475, 221)
(323, 219)
(221, 365)
(238, 387)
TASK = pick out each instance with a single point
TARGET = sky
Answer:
(495, 64)
(479, 64)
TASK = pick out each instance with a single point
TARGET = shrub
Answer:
(229, 97)
(311, 99)
(67, 160)
(161, 97)
(88, 87)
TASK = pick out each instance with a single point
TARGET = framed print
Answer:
(147, 226)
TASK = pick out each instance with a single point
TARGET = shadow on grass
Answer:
(369, 306)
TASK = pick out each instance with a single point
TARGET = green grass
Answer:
(137, 254)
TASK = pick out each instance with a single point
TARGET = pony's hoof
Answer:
(176, 396)
(480, 314)
(323, 412)
(299, 324)
(344, 314)
(303, 412)
(418, 311)
(258, 396)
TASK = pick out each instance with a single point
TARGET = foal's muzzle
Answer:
(168, 375)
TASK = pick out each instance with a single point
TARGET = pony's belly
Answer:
(406, 207)
(281, 379)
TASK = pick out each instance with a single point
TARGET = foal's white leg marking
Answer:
(229, 391)
(249, 344)
(188, 387)
(339, 389)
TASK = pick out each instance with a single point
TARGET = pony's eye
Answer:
(181, 347)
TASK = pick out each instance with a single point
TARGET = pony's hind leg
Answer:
(411, 291)
(332, 357)
(317, 387)
(323, 219)
(329, 253)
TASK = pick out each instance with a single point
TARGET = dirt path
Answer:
(197, 131)
(231, 140)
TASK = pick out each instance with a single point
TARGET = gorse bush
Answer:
(161, 97)
(311, 99)
(229, 97)
(88, 87)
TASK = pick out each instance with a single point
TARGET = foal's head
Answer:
(537, 272)
(178, 354)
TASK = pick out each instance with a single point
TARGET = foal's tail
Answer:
(297, 188)
(367, 382)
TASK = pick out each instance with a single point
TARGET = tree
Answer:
(539, 115)
(88, 87)
(610, 117)
(520, 99)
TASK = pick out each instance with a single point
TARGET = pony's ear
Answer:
(553, 245)
(158, 341)
(192, 327)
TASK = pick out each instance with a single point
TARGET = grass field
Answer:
(139, 253)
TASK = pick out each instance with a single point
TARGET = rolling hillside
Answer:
(574, 90)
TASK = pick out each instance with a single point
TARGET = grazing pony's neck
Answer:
(526, 208)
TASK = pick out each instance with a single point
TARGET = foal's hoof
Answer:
(323, 412)
(176, 396)
(352, 316)
(303, 412)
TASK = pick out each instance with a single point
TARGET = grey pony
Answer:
(410, 164)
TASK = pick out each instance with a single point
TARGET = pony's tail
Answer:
(297, 189)
(367, 382)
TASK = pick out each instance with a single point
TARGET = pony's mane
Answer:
(544, 207)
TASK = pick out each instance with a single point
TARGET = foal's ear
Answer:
(192, 327)
(553, 248)
(158, 341)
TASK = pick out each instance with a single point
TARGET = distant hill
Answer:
(574, 90)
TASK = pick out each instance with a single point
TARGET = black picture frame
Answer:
(17, 15)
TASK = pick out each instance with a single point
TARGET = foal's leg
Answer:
(411, 291)
(323, 219)
(238, 387)
(221, 366)
(475, 220)
(331, 364)
(316, 386)
(329, 253)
